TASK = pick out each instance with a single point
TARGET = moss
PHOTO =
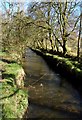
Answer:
(78, 70)
(11, 72)
(17, 109)
(67, 64)
(76, 64)
(48, 54)
(14, 100)
(72, 67)
(3, 53)
(12, 68)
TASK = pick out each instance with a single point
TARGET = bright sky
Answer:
(27, 1)
(37, 0)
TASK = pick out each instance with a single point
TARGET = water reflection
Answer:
(49, 95)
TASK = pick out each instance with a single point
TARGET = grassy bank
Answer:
(13, 99)
(68, 68)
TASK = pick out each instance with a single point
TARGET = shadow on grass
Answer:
(10, 95)
(8, 61)
(6, 76)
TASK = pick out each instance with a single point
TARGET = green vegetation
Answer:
(12, 68)
(13, 98)
(54, 26)
(14, 106)
(57, 27)
(72, 67)
(47, 26)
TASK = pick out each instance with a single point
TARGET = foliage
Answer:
(47, 25)
(61, 24)
(14, 37)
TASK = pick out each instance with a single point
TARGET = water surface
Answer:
(50, 95)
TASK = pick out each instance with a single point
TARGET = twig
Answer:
(38, 80)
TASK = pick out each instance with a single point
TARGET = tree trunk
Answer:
(79, 37)
(64, 47)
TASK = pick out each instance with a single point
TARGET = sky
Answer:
(28, 1)
(37, 0)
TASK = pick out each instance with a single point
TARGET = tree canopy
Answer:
(55, 26)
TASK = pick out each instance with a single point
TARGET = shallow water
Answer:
(50, 95)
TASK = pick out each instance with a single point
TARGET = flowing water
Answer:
(50, 95)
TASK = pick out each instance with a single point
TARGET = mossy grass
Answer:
(3, 53)
(12, 68)
(15, 105)
(72, 67)
(71, 64)
(14, 100)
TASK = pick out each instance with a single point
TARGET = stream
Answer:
(50, 95)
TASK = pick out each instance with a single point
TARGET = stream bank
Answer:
(69, 69)
(13, 99)
(50, 95)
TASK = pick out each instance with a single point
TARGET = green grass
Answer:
(12, 68)
(15, 106)
(13, 99)
(10, 73)
(3, 53)
(72, 66)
